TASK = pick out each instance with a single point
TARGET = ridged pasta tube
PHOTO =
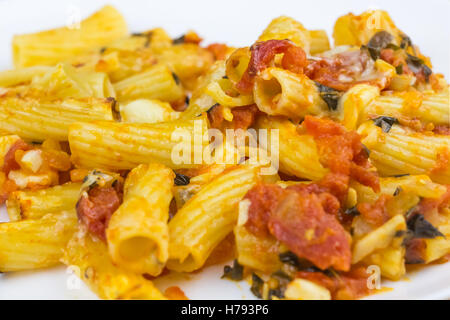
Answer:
(114, 145)
(37, 120)
(138, 235)
(403, 151)
(207, 218)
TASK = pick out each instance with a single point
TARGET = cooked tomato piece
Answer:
(396, 60)
(302, 217)
(96, 209)
(243, 117)
(263, 54)
(302, 224)
(6, 188)
(264, 199)
(443, 161)
(442, 130)
(219, 50)
(415, 251)
(345, 70)
(215, 116)
(342, 150)
(9, 162)
(430, 207)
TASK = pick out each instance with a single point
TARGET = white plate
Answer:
(238, 23)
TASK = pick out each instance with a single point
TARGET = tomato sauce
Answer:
(10, 162)
(342, 150)
(304, 219)
(375, 213)
(96, 209)
(345, 286)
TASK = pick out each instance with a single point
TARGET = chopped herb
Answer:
(417, 65)
(401, 175)
(410, 212)
(397, 191)
(178, 40)
(385, 123)
(393, 47)
(181, 179)
(400, 233)
(366, 150)
(148, 35)
(353, 211)
(399, 69)
(279, 293)
(282, 280)
(103, 49)
(225, 77)
(281, 276)
(427, 72)
(378, 42)
(331, 273)
(289, 258)
(93, 185)
(329, 95)
(414, 61)
(233, 273)
(414, 260)
(406, 42)
(212, 107)
(175, 77)
(257, 286)
(421, 228)
(114, 109)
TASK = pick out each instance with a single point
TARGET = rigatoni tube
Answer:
(114, 146)
(34, 204)
(404, 151)
(207, 218)
(284, 93)
(319, 41)
(89, 259)
(283, 27)
(200, 100)
(426, 107)
(298, 154)
(157, 82)
(37, 120)
(32, 244)
(53, 46)
(138, 235)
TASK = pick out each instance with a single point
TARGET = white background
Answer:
(237, 23)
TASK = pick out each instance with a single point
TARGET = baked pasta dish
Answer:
(316, 170)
